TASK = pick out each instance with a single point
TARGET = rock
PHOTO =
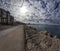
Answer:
(42, 41)
(44, 32)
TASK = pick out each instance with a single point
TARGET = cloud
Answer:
(47, 10)
(41, 11)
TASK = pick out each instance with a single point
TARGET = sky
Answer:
(33, 11)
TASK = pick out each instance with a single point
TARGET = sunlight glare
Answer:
(23, 10)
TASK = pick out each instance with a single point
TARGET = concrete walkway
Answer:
(12, 39)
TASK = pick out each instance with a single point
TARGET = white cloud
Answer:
(40, 9)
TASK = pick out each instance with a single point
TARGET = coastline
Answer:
(42, 40)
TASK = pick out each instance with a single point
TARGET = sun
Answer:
(23, 10)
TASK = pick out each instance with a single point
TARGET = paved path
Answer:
(12, 39)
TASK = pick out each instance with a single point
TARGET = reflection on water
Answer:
(54, 29)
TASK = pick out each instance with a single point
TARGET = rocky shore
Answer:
(40, 41)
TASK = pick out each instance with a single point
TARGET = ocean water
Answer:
(53, 29)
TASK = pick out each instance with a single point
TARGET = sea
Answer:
(53, 29)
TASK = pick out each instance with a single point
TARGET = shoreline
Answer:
(43, 40)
